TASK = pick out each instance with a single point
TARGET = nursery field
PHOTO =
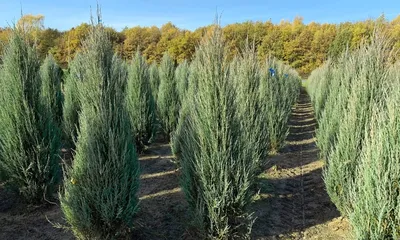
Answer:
(291, 203)
(217, 146)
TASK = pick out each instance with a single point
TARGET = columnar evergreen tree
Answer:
(154, 80)
(182, 79)
(51, 75)
(376, 192)
(359, 137)
(334, 102)
(168, 98)
(183, 120)
(216, 170)
(182, 74)
(29, 137)
(357, 83)
(279, 89)
(321, 95)
(251, 107)
(72, 105)
(140, 102)
(99, 197)
(366, 90)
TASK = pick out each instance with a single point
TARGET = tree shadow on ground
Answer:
(292, 195)
(164, 216)
(164, 212)
(291, 204)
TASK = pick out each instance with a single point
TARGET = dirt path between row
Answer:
(293, 203)
(163, 209)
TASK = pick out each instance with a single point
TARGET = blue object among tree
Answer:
(272, 71)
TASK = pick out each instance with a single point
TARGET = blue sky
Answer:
(192, 14)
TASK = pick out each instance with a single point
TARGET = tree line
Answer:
(302, 46)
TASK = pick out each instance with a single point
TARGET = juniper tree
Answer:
(351, 86)
(182, 74)
(168, 99)
(358, 137)
(335, 102)
(99, 197)
(51, 75)
(366, 90)
(72, 105)
(182, 79)
(375, 193)
(183, 120)
(217, 174)
(154, 80)
(252, 109)
(29, 137)
(140, 102)
(279, 89)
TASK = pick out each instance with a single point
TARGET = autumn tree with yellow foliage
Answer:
(303, 46)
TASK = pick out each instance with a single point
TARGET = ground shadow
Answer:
(22, 221)
(157, 184)
(292, 204)
(162, 217)
(163, 210)
(292, 195)
(157, 159)
(156, 164)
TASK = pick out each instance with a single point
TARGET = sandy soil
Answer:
(291, 204)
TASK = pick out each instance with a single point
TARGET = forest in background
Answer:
(302, 46)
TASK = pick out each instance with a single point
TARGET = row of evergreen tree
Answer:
(356, 100)
(223, 118)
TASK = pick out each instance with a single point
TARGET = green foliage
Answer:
(168, 98)
(182, 77)
(376, 193)
(368, 73)
(183, 120)
(302, 46)
(51, 75)
(222, 137)
(330, 89)
(279, 91)
(29, 137)
(99, 197)
(182, 74)
(140, 102)
(47, 39)
(154, 80)
(357, 128)
(341, 42)
(321, 87)
(212, 160)
(72, 107)
(252, 109)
